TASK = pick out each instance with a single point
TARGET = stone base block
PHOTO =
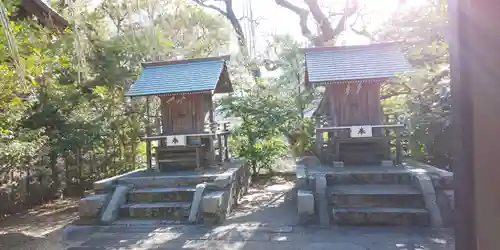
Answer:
(387, 163)
(305, 206)
(213, 207)
(445, 201)
(309, 161)
(301, 176)
(338, 164)
(89, 207)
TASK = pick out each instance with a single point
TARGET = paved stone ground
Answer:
(265, 219)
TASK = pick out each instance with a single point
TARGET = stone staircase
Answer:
(148, 196)
(164, 203)
(169, 200)
(375, 197)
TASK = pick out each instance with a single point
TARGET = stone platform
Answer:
(407, 195)
(264, 219)
(203, 196)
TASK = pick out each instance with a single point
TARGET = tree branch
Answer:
(351, 10)
(303, 16)
(242, 42)
(383, 97)
(363, 32)
(321, 19)
(209, 6)
(327, 32)
(231, 17)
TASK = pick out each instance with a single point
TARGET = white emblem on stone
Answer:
(361, 131)
(176, 140)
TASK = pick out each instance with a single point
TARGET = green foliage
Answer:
(258, 138)
(272, 110)
(64, 116)
(300, 140)
(423, 98)
(260, 153)
(284, 54)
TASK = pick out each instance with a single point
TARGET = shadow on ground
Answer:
(38, 228)
(270, 201)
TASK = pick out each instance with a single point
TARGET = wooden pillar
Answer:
(336, 144)
(219, 144)
(319, 138)
(148, 133)
(211, 120)
(397, 131)
(226, 147)
(475, 81)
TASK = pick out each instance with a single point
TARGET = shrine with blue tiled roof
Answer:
(351, 127)
(182, 133)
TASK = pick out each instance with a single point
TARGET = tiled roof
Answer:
(333, 64)
(168, 77)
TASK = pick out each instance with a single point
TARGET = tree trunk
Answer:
(67, 181)
(78, 157)
(254, 167)
(134, 154)
(56, 182)
(27, 193)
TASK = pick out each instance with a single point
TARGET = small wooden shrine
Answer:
(351, 127)
(181, 112)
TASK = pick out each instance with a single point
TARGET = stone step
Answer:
(380, 216)
(372, 195)
(167, 180)
(362, 148)
(178, 160)
(377, 175)
(171, 211)
(177, 149)
(140, 225)
(161, 194)
(176, 165)
(177, 154)
(362, 158)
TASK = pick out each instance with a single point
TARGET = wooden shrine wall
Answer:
(356, 106)
(184, 114)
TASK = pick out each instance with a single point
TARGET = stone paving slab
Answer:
(244, 237)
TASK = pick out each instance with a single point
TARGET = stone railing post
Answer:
(320, 194)
(194, 214)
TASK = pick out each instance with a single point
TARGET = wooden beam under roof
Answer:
(45, 15)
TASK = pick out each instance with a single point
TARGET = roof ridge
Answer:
(184, 61)
(350, 47)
